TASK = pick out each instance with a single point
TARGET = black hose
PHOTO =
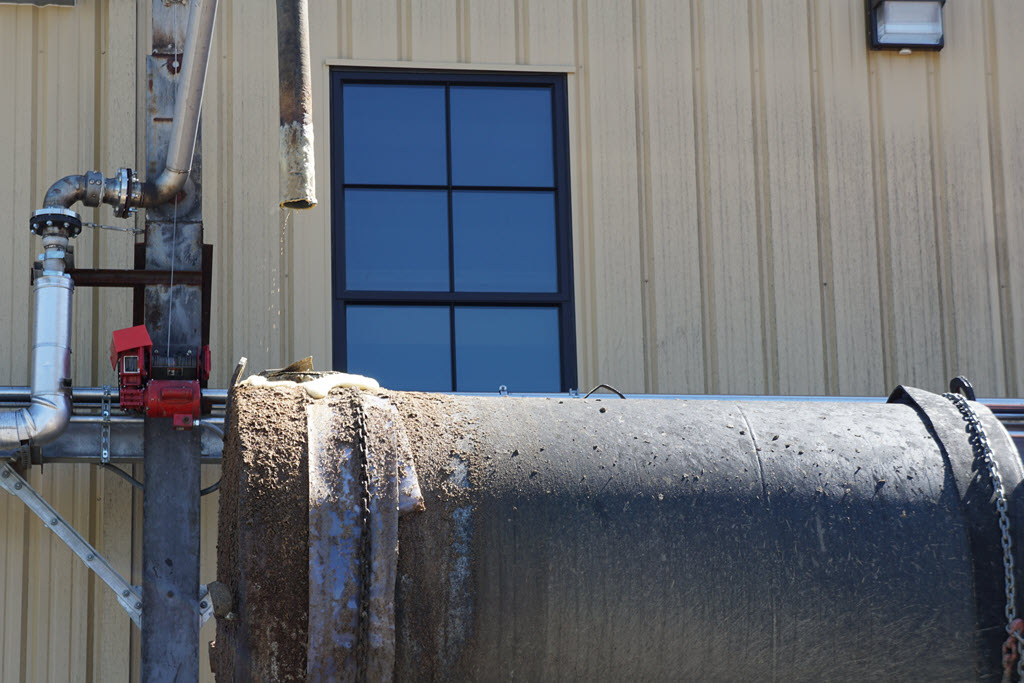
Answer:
(605, 386)
(124, 475)
(138, 484)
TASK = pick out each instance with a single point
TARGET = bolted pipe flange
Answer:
(53, 220)
(129, 193)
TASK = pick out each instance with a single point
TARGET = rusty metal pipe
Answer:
(298, 182)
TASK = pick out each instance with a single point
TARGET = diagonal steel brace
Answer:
(129, 596)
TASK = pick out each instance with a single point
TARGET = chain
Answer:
(105, 428)
(983, 451)
(134, 231)
(363, 624)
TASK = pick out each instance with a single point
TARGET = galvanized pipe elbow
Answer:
(65, 192)
(162, 190)
(47, 418)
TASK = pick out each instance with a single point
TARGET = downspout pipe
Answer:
(298, 178)
(124, 191)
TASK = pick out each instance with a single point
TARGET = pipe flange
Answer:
(93, 188)
(127, 189)
(53, 219)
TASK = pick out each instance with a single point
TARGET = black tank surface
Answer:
(703, 540)
(610, 540)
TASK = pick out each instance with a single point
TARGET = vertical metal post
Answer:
(173, 314)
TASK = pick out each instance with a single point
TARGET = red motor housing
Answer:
(174, 398)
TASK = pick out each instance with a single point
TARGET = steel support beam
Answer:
(173, 315)
(170, 553)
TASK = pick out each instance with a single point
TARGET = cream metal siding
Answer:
(759, 205)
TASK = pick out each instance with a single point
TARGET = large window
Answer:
(451, 234)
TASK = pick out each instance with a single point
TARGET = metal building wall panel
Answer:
(612, 281)
(904, 142)
(375, 29)
(547, 29)
(962, 164)
(733, 237)
(1004, 56)
(432, 30)
(788, 173)
(491, 31)
(670, 208)
(16, 82)
(846, 205)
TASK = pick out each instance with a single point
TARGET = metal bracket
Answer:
(105, 427)
(205, 605)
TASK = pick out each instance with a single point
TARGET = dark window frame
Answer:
(563, 298)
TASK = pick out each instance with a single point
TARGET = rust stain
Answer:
(173, 63)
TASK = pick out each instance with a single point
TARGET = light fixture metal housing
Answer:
(905, 24)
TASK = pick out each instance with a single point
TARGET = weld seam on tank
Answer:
(773, 590)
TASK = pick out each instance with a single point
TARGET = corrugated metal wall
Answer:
(760, 205)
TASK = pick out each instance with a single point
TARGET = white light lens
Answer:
(909, 22)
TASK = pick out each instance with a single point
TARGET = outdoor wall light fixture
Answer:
(905, 25)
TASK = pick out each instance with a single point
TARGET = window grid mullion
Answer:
(456, 188)
(451, 230)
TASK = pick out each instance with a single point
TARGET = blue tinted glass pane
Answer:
(517, 347)
(504, 241)
(394, 134)
(402, 347)
(396, 240)
(502, 136)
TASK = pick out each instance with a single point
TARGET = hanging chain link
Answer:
(105, 427)
(134, 231)
(983, 451)
(363, 624)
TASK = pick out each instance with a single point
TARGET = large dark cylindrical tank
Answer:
(571, 539)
